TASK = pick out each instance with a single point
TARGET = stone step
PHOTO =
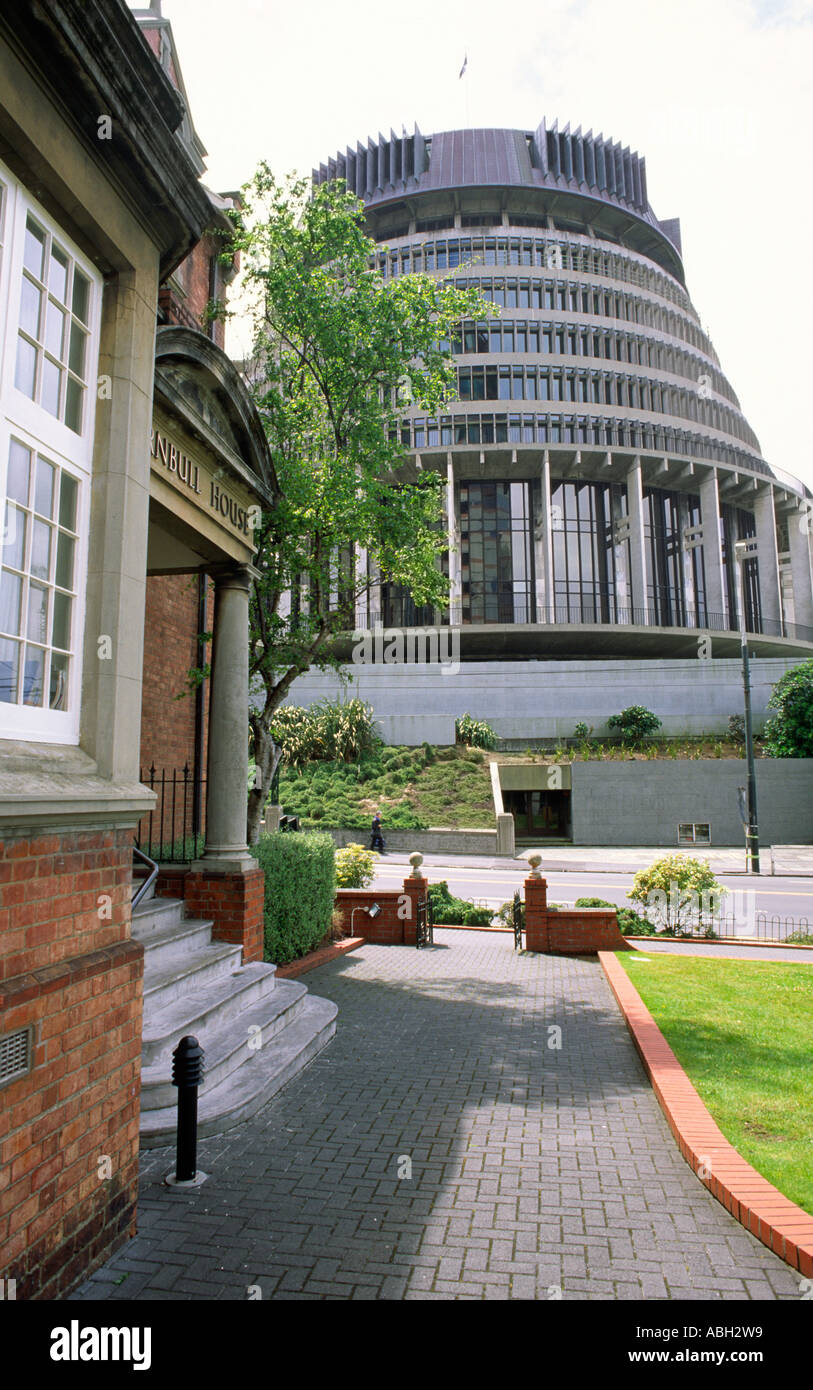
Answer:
(228, 1043)
(203, 1008)
(175, 942)
(179, 975)
(154, 915)
(246, 1090)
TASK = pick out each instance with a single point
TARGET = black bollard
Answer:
(187, 1075)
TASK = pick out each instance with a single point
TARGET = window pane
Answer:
(76, 356)
(59, 681)
(41, 551)
(26, 370)
(14, 532)
(30, 306)
(67, 502)
(62, 621)
(37, 624)
(19, 459)
(11, 587)
(51, 379)
(44, 488)
(33, 672)
(54, 329)
(81, 295)
(64, 561)
(34, 248)
(9, 666)
(58, 274)
(74, 400)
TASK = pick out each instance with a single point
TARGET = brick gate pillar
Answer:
(536, 914)
(415, 887)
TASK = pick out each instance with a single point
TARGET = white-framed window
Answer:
(50, 305)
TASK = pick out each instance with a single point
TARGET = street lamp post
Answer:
(743, 550)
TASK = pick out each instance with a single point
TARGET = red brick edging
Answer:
(320, 957)
(758, 1206)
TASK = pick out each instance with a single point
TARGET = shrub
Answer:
(355, 866)
(448, 909)
(789, 734)
(634, 722)
(678, 893)
(475, 733)
(342, 731)
(632, 924)
(506, 914)
(593, 902)
(582, 732)
(300, 885)
(736, 728)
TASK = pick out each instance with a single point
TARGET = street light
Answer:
(744, 550)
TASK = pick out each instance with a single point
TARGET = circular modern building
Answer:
(599, 469)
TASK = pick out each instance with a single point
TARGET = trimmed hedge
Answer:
(300, 885)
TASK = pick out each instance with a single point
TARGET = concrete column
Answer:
(799, 538)
(639, 596)
(543, 548)
(362, 612)
(712, 547)
(120, 498)
(227, 772)
(767, 557)
(453, 533)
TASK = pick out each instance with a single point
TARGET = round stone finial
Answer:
(535, 860)
(416, 860)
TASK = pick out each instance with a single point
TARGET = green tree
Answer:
(338, 353)
(678, 892)
(634, 723)
(789, 734)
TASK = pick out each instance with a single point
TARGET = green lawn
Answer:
(743, 1031)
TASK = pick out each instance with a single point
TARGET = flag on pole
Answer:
(465, 65)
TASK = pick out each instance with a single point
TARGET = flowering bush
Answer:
(678, 893)
(355, 866)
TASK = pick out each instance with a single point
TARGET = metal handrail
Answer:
(149, 880)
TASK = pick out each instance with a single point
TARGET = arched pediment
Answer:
(196, 378)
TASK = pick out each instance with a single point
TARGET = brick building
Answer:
(129, 462)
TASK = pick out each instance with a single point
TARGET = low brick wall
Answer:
(234, 903)
(568, 931)
(395, 924)
(68, 1126)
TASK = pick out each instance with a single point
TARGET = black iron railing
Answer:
(172, 832)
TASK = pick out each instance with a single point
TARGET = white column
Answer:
(712, 547)
(767, 556)
(638, 556)
(453, 536)
(227, 770)
(543, 548)
(799, 537)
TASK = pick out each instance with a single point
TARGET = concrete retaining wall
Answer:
(545, 699)
(637, 803)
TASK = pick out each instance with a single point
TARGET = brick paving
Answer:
(537, 1171)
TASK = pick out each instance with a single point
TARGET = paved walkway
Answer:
(537, 1171)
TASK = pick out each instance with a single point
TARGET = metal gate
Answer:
(517, 917)
(423, 926)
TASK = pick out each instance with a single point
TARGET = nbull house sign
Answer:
(222, 500)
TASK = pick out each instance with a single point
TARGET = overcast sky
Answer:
(716, 94)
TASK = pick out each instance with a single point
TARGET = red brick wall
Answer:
(387, 929)
(566, 932)
(70, 970)
(235, 904)
(170, 651)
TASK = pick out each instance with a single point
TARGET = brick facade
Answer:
(69, 1126)
(170, 652)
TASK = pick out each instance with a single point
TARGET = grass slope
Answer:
(414, 788)
(742, 1031)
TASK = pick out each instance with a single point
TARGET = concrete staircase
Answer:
(257, 1032)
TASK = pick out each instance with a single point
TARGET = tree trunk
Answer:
(266, 760)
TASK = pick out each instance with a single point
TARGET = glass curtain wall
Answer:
(739, 525)
(496, 552)
(590, 566)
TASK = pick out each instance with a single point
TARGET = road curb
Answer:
(758, 1206)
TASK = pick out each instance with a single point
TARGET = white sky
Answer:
(716, 94)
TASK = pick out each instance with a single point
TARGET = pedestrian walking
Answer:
(377, 840)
